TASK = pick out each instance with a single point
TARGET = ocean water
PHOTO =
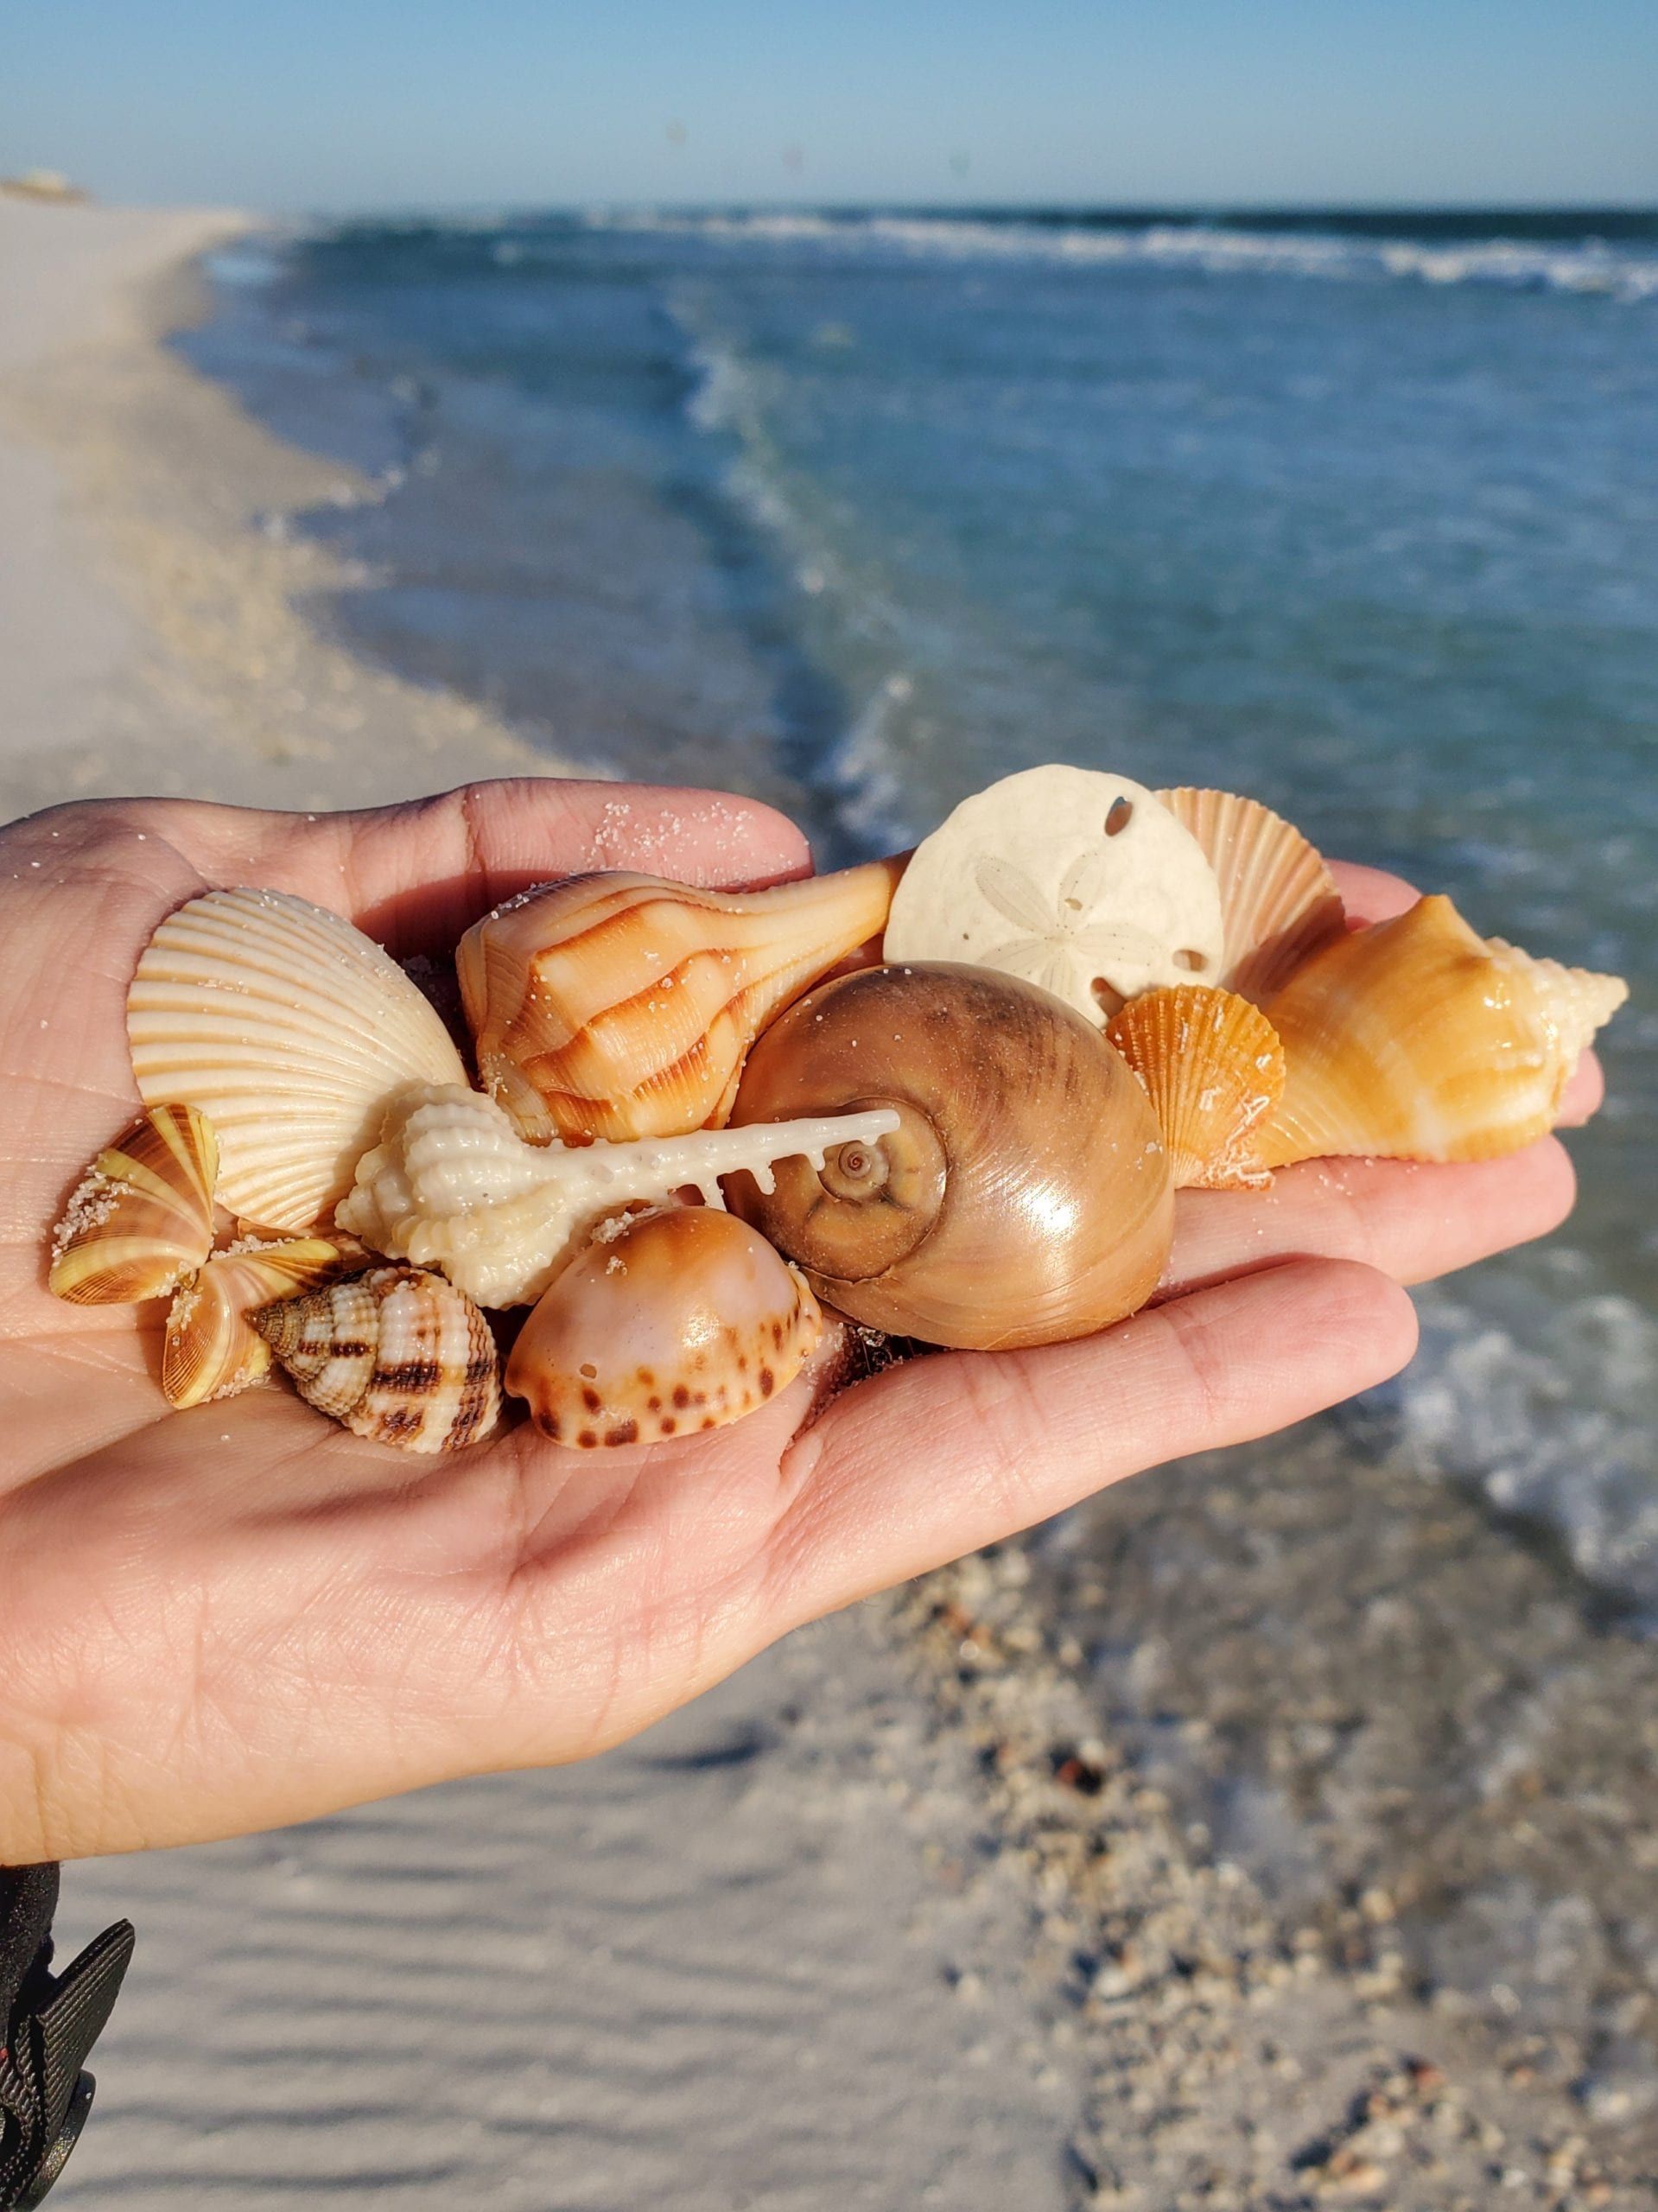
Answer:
(1359, 515)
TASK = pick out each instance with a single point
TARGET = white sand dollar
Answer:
(1077, 880)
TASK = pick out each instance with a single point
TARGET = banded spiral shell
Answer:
(1416, 1039)
(1024, 1195)
(621, 1006)
(142, 1217)
(396, 1354)
(290, 1029)
(677, 1322)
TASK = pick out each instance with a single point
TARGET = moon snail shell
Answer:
(1025, 1197)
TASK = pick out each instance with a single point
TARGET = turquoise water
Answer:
(860, 513)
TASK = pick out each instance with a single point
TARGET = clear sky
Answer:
(296, 104)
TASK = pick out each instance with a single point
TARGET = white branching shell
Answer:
(141, 1218)
(397, 1355)
(452, 1185)
(290, 1029)
(211, 1350)
(681, 1321)
(1076, 880)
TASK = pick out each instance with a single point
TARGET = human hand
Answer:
(241, 1616)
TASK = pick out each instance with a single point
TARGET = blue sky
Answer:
(295, 105)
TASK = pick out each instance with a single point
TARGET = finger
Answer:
(936, 1458)
(1584, 1095)
(416, 876)
(1410, 1220)
(1370, 895)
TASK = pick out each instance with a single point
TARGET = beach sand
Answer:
(887, 1920)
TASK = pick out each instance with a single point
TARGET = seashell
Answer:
(396, 1354)
(1416, 1039)
(1279, 900)
(142, 1217)
(621, 1006)
(452, 1185)
(677, 1322)
(290, 1029)
(1075, 879)
(1024, 1196)
(1213, 1068)
(211, 1350)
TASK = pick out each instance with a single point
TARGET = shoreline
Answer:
(931, 1908)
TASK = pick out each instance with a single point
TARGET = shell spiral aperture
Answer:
(1025, 1197)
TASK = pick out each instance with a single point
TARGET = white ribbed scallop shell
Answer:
(290, 1030)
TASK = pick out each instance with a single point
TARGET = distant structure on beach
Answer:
(44, 184)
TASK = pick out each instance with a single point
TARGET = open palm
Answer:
(240, 1616)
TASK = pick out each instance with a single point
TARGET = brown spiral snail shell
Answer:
(1025, 1197)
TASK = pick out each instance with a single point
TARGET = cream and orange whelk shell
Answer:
(399, 1354)
(212, 1350)
(1023, 1197)
(140, 1219)
(290, 1029)
(452, 1185)
(1416, 1039)
(1213, 1068)
(621, 1006)
(666, 1326)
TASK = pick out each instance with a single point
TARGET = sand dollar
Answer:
(1074, 879)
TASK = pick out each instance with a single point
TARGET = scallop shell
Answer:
(1416, 1039)
(452, 1185)
(677, 1322)
(142, 1217)
(211, 1350)
(622, 1006)
(397, 1355)
(290, 1030)
(1213, 1069)
(1278, 897)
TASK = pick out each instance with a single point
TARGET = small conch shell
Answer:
(1213, 1068)
(397, 1355)
(1415, 1039)
(1023, 1195)
(621, 1006)
(211, 1350)
(453, 1184)
(676, 1323)
(290, 1029)
(1279, 900)
(140, 1219)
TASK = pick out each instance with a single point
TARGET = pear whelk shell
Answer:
(678, 1322)
(141, 1217)
(1213, 1068)
(397, 1355)
(1416, 1039)
(1279, 900)
(453, 1184)
(290, 1029)
(1077, 880)
(1024, 1195)
(621, 1006)
(212, 1350)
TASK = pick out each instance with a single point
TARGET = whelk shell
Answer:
(1022, 1196)
(142, 1217)
(678, 1322)
(621, 1006)
(290, 1030)
(452, 1185)
(395, 1354)
(1279, 900)
(211, 1351)
(1416, 1039)
(1213, 1068)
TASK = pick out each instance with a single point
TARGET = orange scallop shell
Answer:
(1213, 1068)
